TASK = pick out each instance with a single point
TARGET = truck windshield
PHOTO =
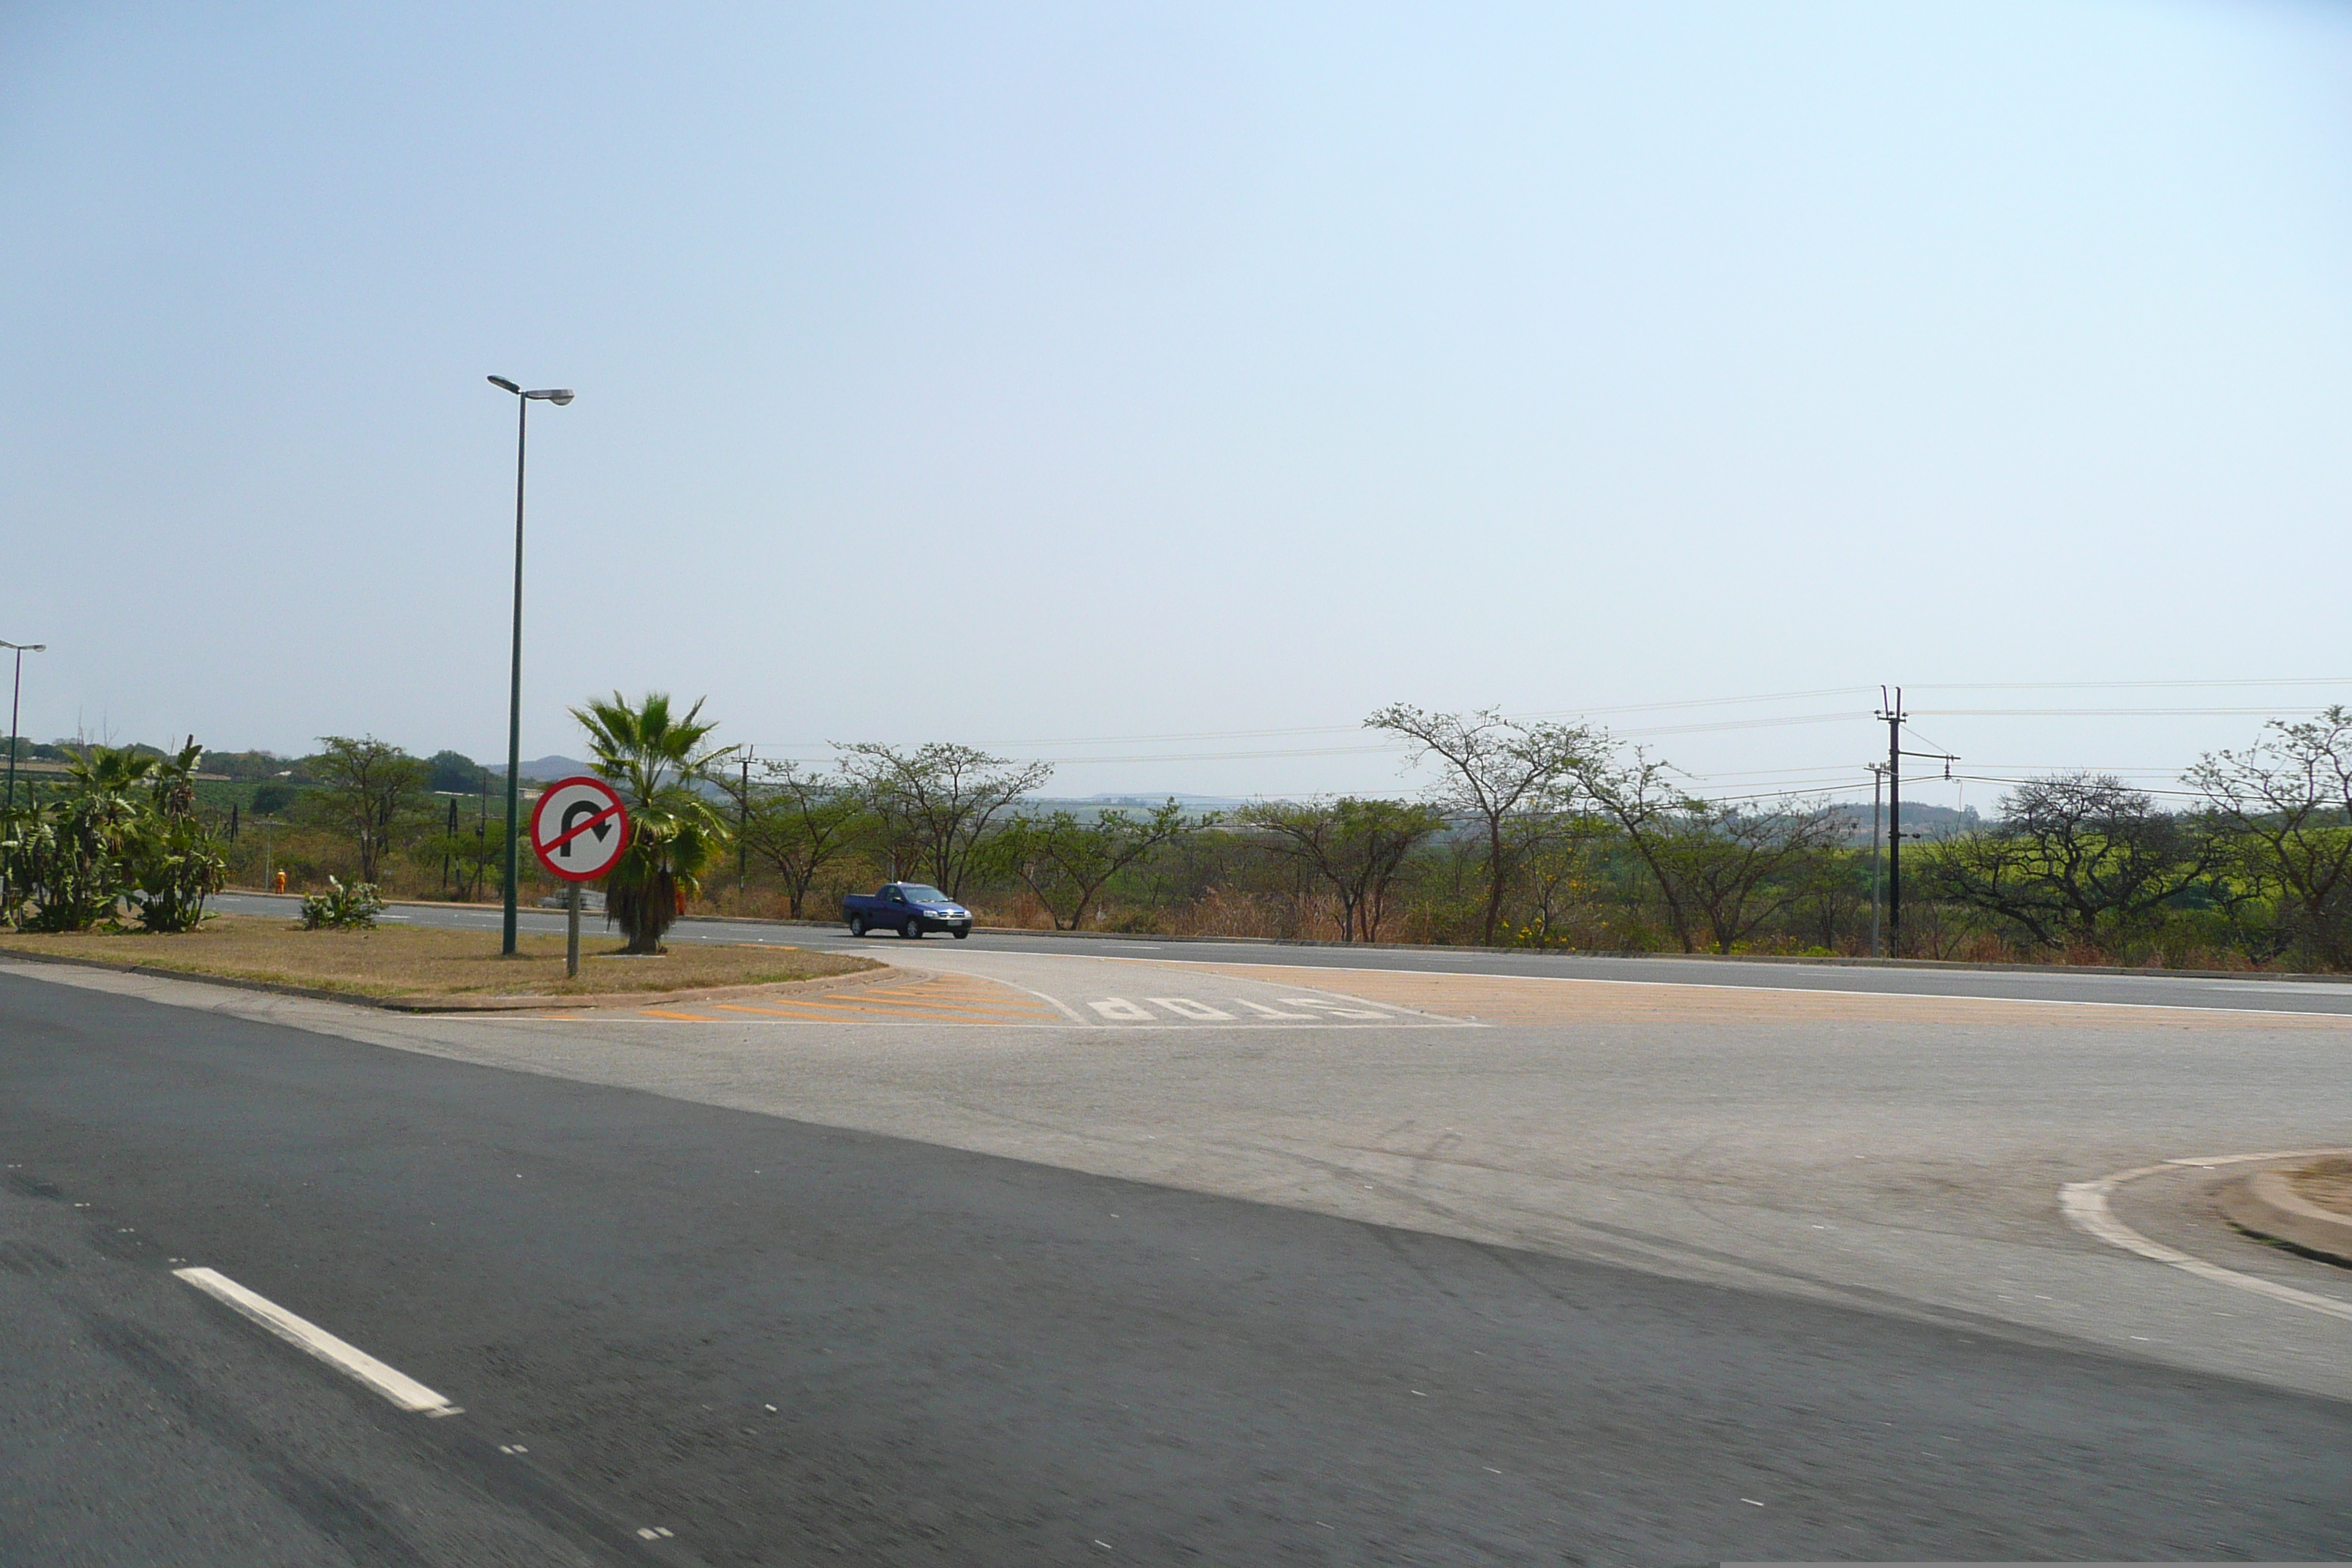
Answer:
(918, 894)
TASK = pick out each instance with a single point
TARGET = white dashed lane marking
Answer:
(350, 1360)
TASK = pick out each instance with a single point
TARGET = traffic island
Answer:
(2305, 1207)
(428, 969)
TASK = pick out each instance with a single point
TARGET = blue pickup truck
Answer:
(910, 908)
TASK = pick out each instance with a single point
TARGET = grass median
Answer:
(404, 961)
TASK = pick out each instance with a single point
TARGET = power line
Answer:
(2107, 712)
(2129, 685)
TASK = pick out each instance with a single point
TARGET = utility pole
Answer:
(743, 828)
(1893, 713)
(1877, 789)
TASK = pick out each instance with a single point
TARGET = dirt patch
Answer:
(421, 961)
(2326, 1182)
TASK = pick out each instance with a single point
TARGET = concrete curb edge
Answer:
(2265, 1204)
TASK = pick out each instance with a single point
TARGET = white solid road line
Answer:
(2085, 1204)
(397, 1387)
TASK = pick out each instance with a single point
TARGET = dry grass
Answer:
(419, 961)
(2328, 1183)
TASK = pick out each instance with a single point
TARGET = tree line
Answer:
(1529, 834)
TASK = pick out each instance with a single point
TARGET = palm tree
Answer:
(657, 761)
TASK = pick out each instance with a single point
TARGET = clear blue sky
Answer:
(1032, 376)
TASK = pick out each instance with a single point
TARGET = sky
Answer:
(1158, 390)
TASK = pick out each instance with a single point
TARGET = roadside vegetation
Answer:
(1529, 835)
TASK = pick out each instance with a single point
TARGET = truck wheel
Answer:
(912, 930)
(857, 925)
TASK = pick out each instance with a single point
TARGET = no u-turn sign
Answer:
(579, 828)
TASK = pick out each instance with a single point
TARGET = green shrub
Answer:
(354, 907)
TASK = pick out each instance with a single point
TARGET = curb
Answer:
(605, 999)
(2265, 1204)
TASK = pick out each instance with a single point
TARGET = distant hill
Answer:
(554, 766)
(1934, 821)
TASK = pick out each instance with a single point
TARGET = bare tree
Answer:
(798, 824)
(1354, 846)
(1496, 770)
(1741, 867)
(2286, 805)
(1726, 867)
(1066, 862)
(2080, 858)
(1641, 799)
(941, 797)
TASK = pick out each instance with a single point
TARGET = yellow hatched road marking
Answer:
(887, 1002)
(774, 1012)
(689, 1017)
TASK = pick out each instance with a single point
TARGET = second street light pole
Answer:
(523, 400)
(15, 698)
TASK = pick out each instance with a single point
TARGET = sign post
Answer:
(578, 830)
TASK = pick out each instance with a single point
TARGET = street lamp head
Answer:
(559, 395)
(504, 384)
(26, 647)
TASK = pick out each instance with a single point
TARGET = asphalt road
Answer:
(785, 1342)
(2154, 989)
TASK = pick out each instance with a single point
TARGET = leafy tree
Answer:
(942, 798)
(175, 864)
(369, 792)
(1353, 847)
(476, 854)
(1066, 862)
(271, 799)
(1497, 771)
(452, 772)
(68, 857)
(799, 824)
(2078, 857)
(658, 761)
(2286, 805)
(1555, 863)
(125, 827)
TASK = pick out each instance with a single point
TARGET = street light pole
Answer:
(15, 698)
(523, 400)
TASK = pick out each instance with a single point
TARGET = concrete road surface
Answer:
(1028, 1255)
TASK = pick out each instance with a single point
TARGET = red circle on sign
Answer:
(581, 845)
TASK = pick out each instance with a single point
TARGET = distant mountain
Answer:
(554, 766)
